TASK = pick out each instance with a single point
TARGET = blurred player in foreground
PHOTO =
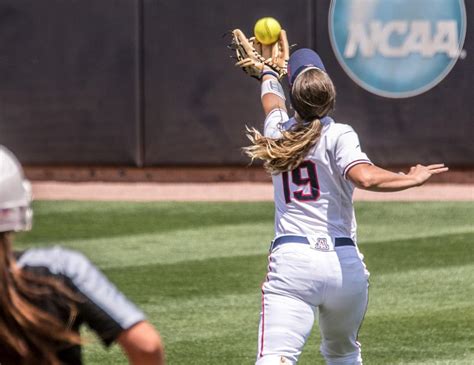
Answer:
(46, 294)
(315, 267)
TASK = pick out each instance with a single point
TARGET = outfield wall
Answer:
(150, 83)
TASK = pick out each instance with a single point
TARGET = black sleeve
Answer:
(104, 308)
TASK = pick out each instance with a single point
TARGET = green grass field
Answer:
(196, 270)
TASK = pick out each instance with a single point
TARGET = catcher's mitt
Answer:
(252, 56)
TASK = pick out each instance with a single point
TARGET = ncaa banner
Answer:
(397, 48)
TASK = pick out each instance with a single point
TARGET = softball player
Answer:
(315, 267)
(46, 294)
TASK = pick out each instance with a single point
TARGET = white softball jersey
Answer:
(305, 281)
(316, 197)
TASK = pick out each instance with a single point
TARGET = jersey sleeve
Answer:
(105, 309)
(102, 306)
(273, 123)
(348, 152)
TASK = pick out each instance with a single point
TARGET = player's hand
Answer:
(422, 173)
(276, 55)
(267, 50)
(281, 54)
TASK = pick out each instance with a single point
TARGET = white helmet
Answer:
(15, 195)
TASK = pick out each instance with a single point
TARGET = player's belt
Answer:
(338, 241)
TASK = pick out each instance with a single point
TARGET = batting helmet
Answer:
(15, 195)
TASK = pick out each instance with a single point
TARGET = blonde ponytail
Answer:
(286, 153)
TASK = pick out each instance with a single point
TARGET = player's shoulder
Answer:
(334, 128)
(57, 260)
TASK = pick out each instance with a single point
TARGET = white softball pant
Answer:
(302, 283)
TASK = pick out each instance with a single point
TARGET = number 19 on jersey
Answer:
(306, 178)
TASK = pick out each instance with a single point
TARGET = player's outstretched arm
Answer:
(142, 345)
(273, 96)
(373, 178)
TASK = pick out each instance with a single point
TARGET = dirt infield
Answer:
(229, 191)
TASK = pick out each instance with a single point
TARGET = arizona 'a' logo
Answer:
(322, 244)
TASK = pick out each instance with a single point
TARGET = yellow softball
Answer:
(267, 30)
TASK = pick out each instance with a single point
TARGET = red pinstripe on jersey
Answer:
(353, 163)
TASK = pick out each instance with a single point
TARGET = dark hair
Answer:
(28, 334)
